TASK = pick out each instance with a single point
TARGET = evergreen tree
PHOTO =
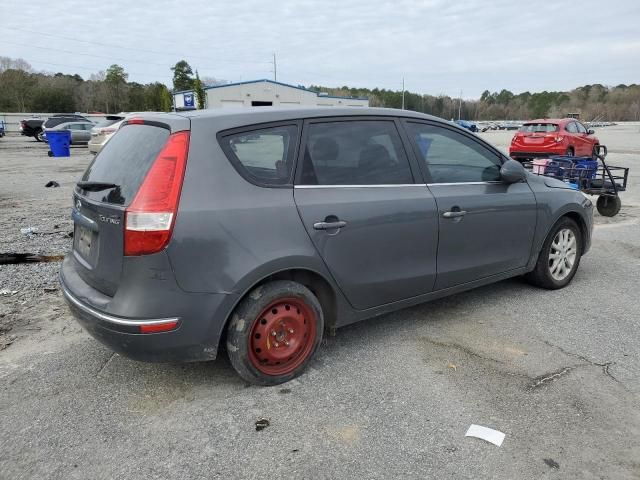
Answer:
(198, 88)
(182, 76)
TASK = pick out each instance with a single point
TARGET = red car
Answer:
(548, 137)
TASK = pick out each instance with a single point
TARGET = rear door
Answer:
(375, 228)
(486, 226)
(98, 212)
(84, 134)
(76, 130)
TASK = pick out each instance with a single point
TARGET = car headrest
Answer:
(325, 149)
(374, 157)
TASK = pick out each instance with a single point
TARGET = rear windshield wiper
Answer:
(96, 186)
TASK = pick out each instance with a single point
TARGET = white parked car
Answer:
(103, 131)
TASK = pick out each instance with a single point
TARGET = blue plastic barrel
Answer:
(59, 141)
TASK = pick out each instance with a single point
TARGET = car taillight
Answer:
(516, 137)
(151, 215)
(106, 131)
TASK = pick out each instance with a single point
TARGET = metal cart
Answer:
(601, 179)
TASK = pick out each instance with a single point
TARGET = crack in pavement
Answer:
(550, 377)
(541, 380)
(104, 365)
(605, 366)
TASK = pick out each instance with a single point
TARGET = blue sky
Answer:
(438, 46)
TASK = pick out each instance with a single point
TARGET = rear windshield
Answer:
(124, 161)
(539, 127)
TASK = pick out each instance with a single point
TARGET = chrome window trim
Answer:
(364, 186)
(112, 319)
(493, 182)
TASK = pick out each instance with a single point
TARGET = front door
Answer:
(376, 229)
(486, 226)
(584, 143)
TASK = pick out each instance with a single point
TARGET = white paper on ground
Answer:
(488, 434)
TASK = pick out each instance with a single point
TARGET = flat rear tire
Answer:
(274, 332)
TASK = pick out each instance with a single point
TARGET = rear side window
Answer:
(354, 153)
(53, 121)
(539, 128)
(451, 157)
(125, 161)
(264, 156)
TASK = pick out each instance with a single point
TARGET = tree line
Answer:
(593, 102)
(110, 91)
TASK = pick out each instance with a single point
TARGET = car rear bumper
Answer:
(200, 320)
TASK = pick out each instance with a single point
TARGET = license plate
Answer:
(83, 238)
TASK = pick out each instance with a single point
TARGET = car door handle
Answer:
(454, 214)
(329, 225)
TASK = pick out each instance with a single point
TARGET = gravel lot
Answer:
(557, 372)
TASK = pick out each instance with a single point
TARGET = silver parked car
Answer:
(80, 130)
(260, 230)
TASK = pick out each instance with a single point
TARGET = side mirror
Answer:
(590, 132)
(512, 171)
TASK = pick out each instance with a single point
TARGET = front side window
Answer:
(571, 128)
(263, 156)
(354, 152)
(451, 157)
(580, 128)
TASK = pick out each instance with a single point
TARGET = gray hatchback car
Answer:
(262, 229)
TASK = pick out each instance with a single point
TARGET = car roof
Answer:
(551, 120)
(72, 121)
(267, 114)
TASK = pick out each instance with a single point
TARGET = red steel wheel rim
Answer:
(282, 336)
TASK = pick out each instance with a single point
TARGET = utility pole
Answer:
(402, 93)
(460, 105)
(275, 68)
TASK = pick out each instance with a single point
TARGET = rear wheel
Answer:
(571, 152)
(274, 332)
(38, 136)
(560, 256)
(608, 205)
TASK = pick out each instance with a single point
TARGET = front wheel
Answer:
(274, 332)
(560, 256)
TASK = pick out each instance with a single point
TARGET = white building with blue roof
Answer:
(260, 93)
